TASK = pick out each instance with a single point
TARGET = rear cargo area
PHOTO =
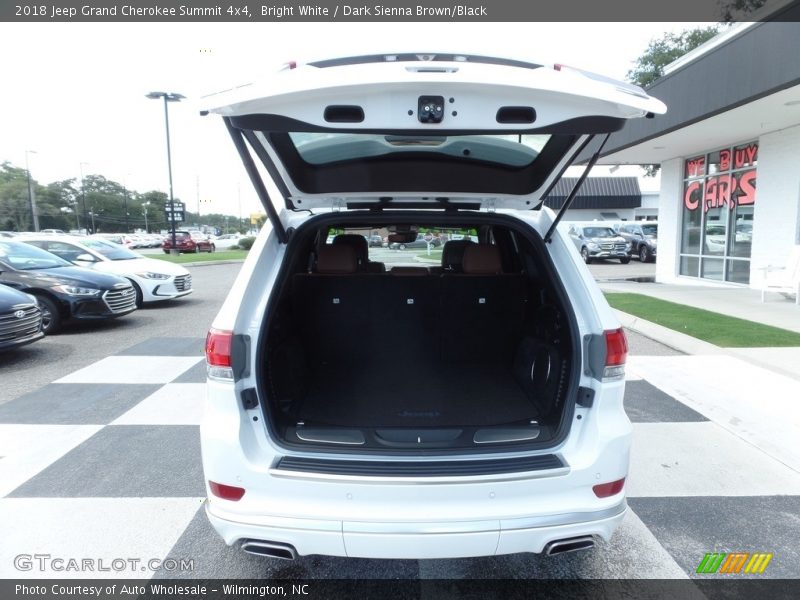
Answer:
(476, 351)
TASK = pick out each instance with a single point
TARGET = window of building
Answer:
(719, 193)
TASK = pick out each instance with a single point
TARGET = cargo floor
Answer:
(414, 396)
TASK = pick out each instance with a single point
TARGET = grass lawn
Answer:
(711, 327)
(202, 256)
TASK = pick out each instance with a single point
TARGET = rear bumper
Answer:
(420, 540)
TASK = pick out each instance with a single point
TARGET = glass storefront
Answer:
(719, 193)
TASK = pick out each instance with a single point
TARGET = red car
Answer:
(188, 241)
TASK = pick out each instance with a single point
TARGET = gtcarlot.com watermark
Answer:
(57, 564)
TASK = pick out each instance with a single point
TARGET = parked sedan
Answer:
(227, 240)
(20, 319)
(189, 241)
(153, 280)
(63, 290)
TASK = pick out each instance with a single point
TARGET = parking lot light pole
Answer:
(144, 209)
(169, 97)
(31, 201)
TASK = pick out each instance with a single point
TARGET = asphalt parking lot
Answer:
(100, 447)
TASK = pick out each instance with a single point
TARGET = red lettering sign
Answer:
(746, 185)
(718, 192)
(724, 160)
(745, 155)
(696, 166)
(691, 198)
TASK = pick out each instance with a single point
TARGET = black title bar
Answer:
(389, 10)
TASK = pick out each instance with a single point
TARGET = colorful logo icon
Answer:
(734, 562)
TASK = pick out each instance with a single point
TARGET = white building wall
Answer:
(670, 201)
(776, 218)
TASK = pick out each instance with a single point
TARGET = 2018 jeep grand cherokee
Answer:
(418, 409)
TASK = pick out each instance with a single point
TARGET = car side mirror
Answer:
(85, 258)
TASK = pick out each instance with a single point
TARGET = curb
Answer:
(211, 263)
(690, 345)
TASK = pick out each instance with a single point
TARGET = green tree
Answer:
(661, 52)
(666, 49)
(735, 8)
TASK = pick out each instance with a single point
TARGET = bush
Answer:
(246, 243)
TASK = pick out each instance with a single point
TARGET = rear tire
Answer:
(644, 253)
(585, 256)
(212, 248)
(51, 318)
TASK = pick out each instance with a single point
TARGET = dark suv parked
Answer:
(64, 291)
(643, 238)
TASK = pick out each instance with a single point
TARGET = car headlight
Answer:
(593, 246)
(628, 246)
(74, 290)
(151, 275)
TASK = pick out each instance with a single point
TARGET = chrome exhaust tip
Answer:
(270, 549)
(585, 542)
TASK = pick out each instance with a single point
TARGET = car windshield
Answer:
(599, 232)
(511, 150)
(109, 249)
(650, 229)
(25, 257)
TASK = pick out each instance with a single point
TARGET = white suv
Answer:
(463, 400)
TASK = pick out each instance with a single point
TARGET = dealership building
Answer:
(729, 150)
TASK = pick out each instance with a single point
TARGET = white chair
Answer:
(786, 280)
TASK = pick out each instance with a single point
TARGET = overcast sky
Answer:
(74, 92)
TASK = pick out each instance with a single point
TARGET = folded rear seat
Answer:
(483, 309)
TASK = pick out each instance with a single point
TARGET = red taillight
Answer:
(218, 348)
(616, 348)
(604, 490)
(226, 492)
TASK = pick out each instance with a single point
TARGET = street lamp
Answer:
(31, 201)
(83, 199)
(144, 209)
(169, 97)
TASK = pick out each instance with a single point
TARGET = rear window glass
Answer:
(424, 250)
(510, 150)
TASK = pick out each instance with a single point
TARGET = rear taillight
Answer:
(616, 354)
(218, 354)
(226, 492)
(604, 490)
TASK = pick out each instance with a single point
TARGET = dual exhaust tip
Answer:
(584, 542)
(287, 551)
(270, 549)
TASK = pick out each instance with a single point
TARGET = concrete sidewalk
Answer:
(743, 303)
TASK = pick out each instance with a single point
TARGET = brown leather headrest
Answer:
(482, 260)
(357, 242)
(453, 254)
(339, 259)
